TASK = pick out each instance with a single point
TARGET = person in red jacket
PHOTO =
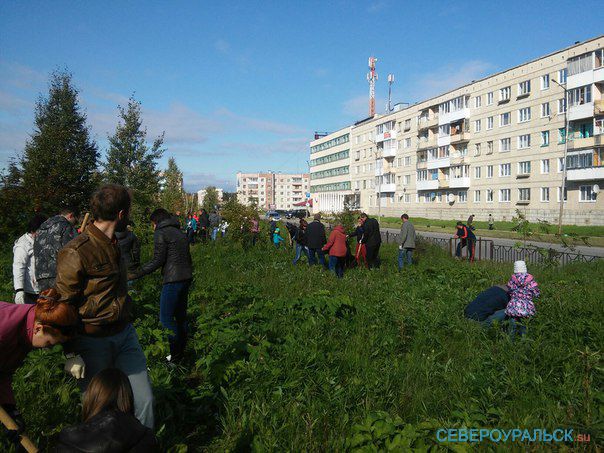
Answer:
(336, 246)
(24, 327)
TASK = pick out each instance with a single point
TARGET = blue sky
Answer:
(243, 85)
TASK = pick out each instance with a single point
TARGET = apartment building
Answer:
(271, 190)
(493, 146)
(201, 195)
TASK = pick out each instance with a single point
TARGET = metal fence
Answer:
(487, 250)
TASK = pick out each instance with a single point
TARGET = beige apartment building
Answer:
(272, 191)
(493, 146)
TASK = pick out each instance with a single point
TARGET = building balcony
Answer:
(439, 163)
(386, 188)
(446, 118)
(425, 144)
(389, 151)
(577, 112)
(429, 184)
(427, 123)
(599, 107)
(443, 183)
(385, 136)
(421, 165)
(460, 138)
(457, 159)
(588, 142)
(585, 174)
(459, 183)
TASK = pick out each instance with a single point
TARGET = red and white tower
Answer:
(371, 78)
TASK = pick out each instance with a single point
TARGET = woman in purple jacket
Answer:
(24, 327)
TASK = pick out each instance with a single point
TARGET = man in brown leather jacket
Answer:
(92, 276)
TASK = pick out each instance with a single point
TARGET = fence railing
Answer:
(487, 250)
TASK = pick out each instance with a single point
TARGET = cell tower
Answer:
(371, 78)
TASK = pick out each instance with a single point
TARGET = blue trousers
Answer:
(173, 314)
(214, 233)
(336, 265)
(405, 256)
(312, 256)
(299, 249)
(122, 351)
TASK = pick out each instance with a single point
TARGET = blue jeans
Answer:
(405, 256)
(122, 351)
(336, 265)
(214, 233)
(498, 316)
(173, 314)
(299, 249)
(312, 256)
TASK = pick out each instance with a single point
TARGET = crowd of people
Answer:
(72, 288)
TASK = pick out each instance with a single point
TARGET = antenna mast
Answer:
(371, 78)
(390, 82)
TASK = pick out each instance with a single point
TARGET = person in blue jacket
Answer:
(466, 238)
(277, 238)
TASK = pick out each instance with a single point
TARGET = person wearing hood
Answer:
(24, 267)
(523, 289)
(130, 248)
(51, 237)
(336, 246)
(171, 253)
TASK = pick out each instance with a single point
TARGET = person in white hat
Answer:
(523, 289)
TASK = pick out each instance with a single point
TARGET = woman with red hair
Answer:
(24, 327)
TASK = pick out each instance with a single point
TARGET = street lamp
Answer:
(563, 186)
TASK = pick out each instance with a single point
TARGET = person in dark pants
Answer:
(466, 238)
(491, 222)
(489, 306)
(372, 240)
(336, 246)
(171, 253)
(315, 240)
(130, 248)
(204, 224)
(361, 249)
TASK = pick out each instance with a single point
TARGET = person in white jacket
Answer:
(24, 275)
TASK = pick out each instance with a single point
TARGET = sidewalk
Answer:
(582, 249)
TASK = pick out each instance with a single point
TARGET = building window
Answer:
(505, 195)
(599, 58)
(505, 170)
(524, 88)
(490, 98)
(524, 167)
(545, 194)
(407, 161)
(505, 119)
(407, 124)
(463, 196)
(561, 135)
(477, 149)
(544, 138)
(561, 105)
(524, 141)
(544, 166)
(524, 194)
(582, 63)
(579, 96)
(477, 196)
(560, 164)
(489, 196)
(477, 171)
(505, 144)
(489, 171)
(562, 74)
(477, 125)
(505, 94)
(407, 143)
(490, 147)
(407, 180)
(545, 112)
(489, 123)
(524, 115)
(586, 194)
(545, 82)
(477, 101)
(565, 195)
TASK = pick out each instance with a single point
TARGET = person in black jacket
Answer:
(130, 248)
(301, 241)
(315, 240)
(108, 422)
(372, 240)
(171, 253)
(204, 224)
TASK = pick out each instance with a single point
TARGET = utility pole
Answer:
(564, 160)
(371, 78)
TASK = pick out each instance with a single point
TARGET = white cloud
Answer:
(196, 181)
(447, 78)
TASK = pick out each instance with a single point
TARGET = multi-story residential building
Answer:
(201, 195)
(273, 190)
(493, 146)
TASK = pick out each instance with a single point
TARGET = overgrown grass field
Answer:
(285, 358)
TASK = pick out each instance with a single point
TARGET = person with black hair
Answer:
(24, 267)
(53, 235)
(172, 254)
(130, 248)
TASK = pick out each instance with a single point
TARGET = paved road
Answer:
(584, 250)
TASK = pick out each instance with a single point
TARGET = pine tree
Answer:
(59, 164)
(172, 195)
(131, 162)
(210, 200)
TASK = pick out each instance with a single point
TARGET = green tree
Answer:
(60, 159)
(14, 203)
(131, 161)
(172, 194)
(210, 199)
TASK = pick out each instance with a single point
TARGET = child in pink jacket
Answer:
(522, 290)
